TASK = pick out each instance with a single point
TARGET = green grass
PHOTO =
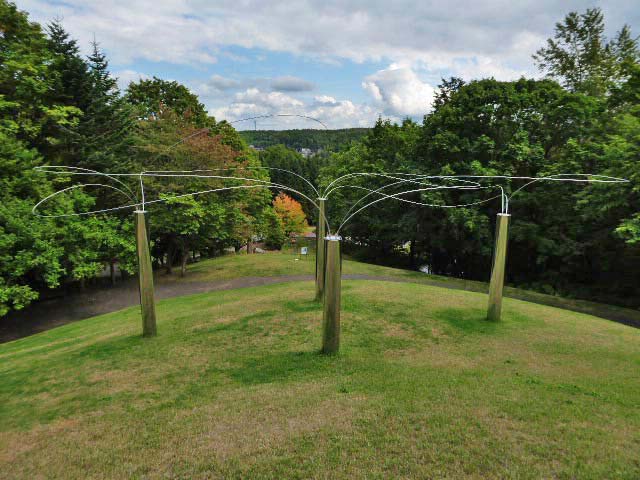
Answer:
(276, 264)
(233, 387)
(280, 264)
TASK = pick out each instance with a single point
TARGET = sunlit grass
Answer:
(286, 264)
(233, 387)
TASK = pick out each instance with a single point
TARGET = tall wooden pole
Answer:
(497, 272)
(331, 317)
(321, 231)
(145, 277)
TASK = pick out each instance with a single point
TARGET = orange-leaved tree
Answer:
(291, 213)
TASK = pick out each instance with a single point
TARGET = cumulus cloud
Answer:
(196, 32)
(291, 84)
(399, 91)
(217, 85)
(125, 77)
(334, 113)
(420, 40)
(221, 83)
(253, 102)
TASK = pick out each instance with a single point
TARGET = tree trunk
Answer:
(169, 264)
(183, 263)
(412, 253)
(112, 271)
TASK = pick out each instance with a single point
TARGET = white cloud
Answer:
(501, 35)
(267, 99)
(125, 77)
(324, 100)
(333, 113)
(399, 91)
(291, 84)
(422, 41)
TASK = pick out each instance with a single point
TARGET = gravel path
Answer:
(52, 313)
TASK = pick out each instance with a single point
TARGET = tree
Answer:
(153, 96)
(207, 222)
(279, 158)
(32, 255)
(582, 58)
(290, 213)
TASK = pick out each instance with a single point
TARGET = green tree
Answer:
(153, 96)
(582, 58)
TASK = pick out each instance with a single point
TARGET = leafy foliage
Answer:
(290, 213)
(314, 139)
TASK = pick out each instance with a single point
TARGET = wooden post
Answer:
(321, 252)
(331, 316)
(145, 277)
(497, 272)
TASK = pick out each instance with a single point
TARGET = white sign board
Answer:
(303, 250)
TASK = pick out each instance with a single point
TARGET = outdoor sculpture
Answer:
(328, 267)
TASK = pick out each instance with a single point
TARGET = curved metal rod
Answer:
(557, 178)
(436, 187)
(265, 183)
(279, 115)
(186, 174)
(53, 169)
(385, 197)
(73, 187)
(393, 176)
(262, 183)
(239, 168)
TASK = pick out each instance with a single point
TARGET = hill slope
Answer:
(233, 387)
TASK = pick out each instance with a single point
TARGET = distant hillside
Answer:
(314, 140)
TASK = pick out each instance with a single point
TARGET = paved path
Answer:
(52, 313)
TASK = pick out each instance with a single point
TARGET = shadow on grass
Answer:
(474, 320)
(284, 366)
(468, 321)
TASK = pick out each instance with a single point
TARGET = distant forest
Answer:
(313, 139)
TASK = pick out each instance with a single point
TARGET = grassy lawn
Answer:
(233, 387)
(279, 264)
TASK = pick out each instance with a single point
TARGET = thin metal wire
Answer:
(74, 187)
(592, 178)
(239, 168)
(53, 169)
(280, 115)
(395, 197)
(385, 197)
(183, 173)
(399, 177)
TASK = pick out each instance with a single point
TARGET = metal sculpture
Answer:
(138, 204)
(332, 302)
(321, 232)
(496, 283)
(328, 268)
(145, 277)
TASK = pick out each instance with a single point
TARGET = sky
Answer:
(343, 62)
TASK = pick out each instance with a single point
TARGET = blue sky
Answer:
(343, 62)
